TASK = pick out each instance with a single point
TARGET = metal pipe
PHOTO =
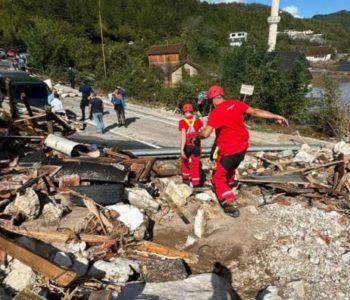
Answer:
(174, 152)
(65, 146)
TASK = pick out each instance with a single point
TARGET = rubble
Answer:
(96, 210)
(177, 193)
(20, 276)
(27, 205)
(141, 199)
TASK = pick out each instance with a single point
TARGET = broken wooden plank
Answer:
(309, 169)
(27, 294)
(101, 295)
(29, 118)
(58, 236)
(164, 251)
(61, 276)
(292, 178)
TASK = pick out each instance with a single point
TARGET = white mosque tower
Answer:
(273, 20)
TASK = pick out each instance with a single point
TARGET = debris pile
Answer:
(79, 220)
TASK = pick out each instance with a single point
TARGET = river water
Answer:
(343, 87)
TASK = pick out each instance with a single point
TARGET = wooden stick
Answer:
(164, 251)
(62, 276)
(308, 169)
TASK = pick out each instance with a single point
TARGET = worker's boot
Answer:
(231, 208)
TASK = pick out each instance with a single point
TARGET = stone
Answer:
(190, 241)
(251, 209)
(27, 204)
(162, 270)
(200, 223)
(80, 266)
(346, 257)
(297, 289)
(118, 270)
(342, 147)
(130, 215)
(203, 197)
(62, 259)
(178, 193)
(198, 287)
(141, 199)
(286, 153)
(304, 157)
(20, 276)
(213, 210)
(53, 212)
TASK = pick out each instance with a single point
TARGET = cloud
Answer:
(293, 10)
(225, 1)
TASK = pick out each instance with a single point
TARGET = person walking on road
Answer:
(71, 77)
(231, 140)
(118, 101)
(96, 112)
(189, 127)
(86, 91)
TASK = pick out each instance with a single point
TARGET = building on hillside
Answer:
(173, 60)
(236, 39)
(287, 59)
(175, 75)
(167, 56)
(319, 54)
(308, 35)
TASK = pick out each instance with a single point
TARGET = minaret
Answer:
(273, 20)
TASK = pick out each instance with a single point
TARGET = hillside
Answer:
(342, 18)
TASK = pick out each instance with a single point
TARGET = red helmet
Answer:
(187, 107)
(215, 91)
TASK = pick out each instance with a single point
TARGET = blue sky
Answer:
(302, 8)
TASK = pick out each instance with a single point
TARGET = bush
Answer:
(331, 114)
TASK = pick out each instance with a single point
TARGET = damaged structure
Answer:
(83, 221)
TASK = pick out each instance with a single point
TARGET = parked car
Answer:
(2, 53)
(11, 53)
(36, 90)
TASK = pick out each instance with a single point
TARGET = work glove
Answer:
(196, 141)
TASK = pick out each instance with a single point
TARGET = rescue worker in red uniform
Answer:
(189, 127)
(232, 141)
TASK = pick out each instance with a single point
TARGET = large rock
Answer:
(199, 287)
(130, 215)
(141, 199)
(305, 155)
(117, 270)
(27, 204)
(53, 213)
(178, 193)
(20, 276)
(342, 147)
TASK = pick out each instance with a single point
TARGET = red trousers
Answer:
(190, 167)
(224, 175)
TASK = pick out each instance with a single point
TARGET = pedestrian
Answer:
(57, 105)
(96, 112)
(86, 91)
(118, 101)
(232, 142)
(71, 77)
(189, 127)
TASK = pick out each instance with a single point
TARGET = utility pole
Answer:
(273, 20)
(102, 44)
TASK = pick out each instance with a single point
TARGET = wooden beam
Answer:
(57, 236)
(61, 276)
(164, 251)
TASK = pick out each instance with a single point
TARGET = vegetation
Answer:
(62, 33)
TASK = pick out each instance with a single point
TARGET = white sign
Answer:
(247, 89)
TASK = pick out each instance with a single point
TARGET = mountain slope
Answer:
(342, 18)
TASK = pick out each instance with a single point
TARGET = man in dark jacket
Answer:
(86, 91)
(96, 111)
